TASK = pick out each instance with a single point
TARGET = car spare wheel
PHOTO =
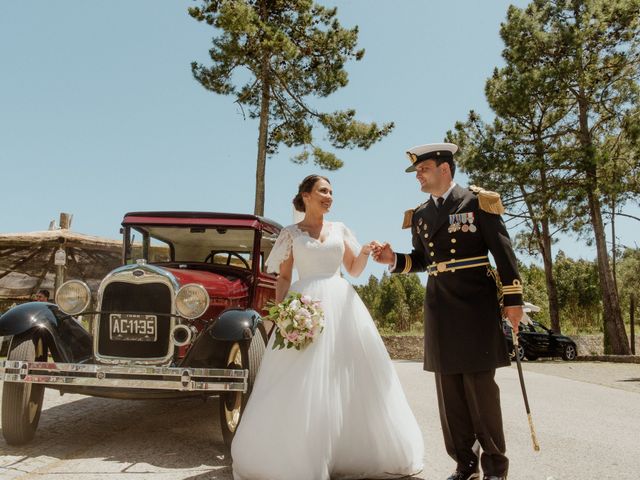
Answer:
(240, 355)
(22, 402)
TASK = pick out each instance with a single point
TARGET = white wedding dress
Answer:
(336, 409)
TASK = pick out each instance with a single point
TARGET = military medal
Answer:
(453, 224)
(472, 227)
(463, 220)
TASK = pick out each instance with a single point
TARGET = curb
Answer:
(609, 358)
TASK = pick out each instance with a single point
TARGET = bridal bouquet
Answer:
(299, 320)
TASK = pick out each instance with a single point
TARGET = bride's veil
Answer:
(297, 215)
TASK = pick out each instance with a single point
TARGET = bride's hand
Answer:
(367, 248)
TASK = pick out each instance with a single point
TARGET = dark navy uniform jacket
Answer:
(463, 330)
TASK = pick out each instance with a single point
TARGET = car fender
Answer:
(67, 340)
(235, 325)
(210, 347)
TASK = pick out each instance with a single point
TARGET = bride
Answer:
(335, 409)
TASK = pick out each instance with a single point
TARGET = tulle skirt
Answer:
(335, 410)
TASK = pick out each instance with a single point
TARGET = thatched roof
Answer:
(27, 259)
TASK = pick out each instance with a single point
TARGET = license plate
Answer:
(133, 327)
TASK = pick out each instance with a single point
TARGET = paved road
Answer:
(587, 417)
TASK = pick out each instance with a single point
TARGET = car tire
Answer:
(569, 352)
(532, 358)
(240, 355)
(22, 402)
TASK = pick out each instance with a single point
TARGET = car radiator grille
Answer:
(154, 298)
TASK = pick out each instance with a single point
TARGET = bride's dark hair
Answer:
(305, 187)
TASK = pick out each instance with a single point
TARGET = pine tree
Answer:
(273, 56)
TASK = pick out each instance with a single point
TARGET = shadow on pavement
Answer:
(136, 435)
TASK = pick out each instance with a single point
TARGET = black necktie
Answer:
(439, 202)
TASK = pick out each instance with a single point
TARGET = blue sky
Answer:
(100, 115)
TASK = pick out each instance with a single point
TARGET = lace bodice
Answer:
(312, 257)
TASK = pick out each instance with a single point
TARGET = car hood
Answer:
(217, 285)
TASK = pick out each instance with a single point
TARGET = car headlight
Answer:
(192, 300)
(73, 297)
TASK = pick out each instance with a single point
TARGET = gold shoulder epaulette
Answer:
(488, 201)
(408, 216)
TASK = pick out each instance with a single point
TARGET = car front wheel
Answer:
(22, 402)
(241, 356)
(569, 352)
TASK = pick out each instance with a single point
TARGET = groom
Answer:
(452, 233)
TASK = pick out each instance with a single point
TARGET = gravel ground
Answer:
(587, 417)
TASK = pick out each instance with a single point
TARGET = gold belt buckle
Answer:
(441, 266)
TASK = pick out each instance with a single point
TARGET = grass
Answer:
(416, 330)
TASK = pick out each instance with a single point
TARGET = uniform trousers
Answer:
(469, 405)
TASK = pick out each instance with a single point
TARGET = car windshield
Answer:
(215, 245)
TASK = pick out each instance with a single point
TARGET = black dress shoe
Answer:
(493, 477)
(464, 476)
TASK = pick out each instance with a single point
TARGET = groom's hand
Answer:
(514, 315)
(383, 253)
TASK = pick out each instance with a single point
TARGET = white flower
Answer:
(294, 305)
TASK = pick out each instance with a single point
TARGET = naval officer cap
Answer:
(441, 152)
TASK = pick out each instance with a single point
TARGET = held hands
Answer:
(367, 248)
(382, 252)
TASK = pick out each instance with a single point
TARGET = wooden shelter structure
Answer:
(35, 260)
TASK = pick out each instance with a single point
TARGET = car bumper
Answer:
(125, 376)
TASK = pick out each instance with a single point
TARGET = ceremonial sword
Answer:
(514, 335)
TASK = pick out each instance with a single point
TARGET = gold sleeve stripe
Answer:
(514, 289)
(407, 263)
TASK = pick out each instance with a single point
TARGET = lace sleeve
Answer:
(280, 252)
(350, 241)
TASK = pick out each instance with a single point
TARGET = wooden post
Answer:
(632, 322)
(61, 259)
(65, 220)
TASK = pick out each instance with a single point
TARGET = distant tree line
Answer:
(396, 301)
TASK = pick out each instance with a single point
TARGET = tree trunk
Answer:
(550, 281)
(262, 150)
(613, 241)
(261, 161)
(615, 336)
(543, 238)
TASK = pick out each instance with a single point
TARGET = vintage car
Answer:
(182, 316)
